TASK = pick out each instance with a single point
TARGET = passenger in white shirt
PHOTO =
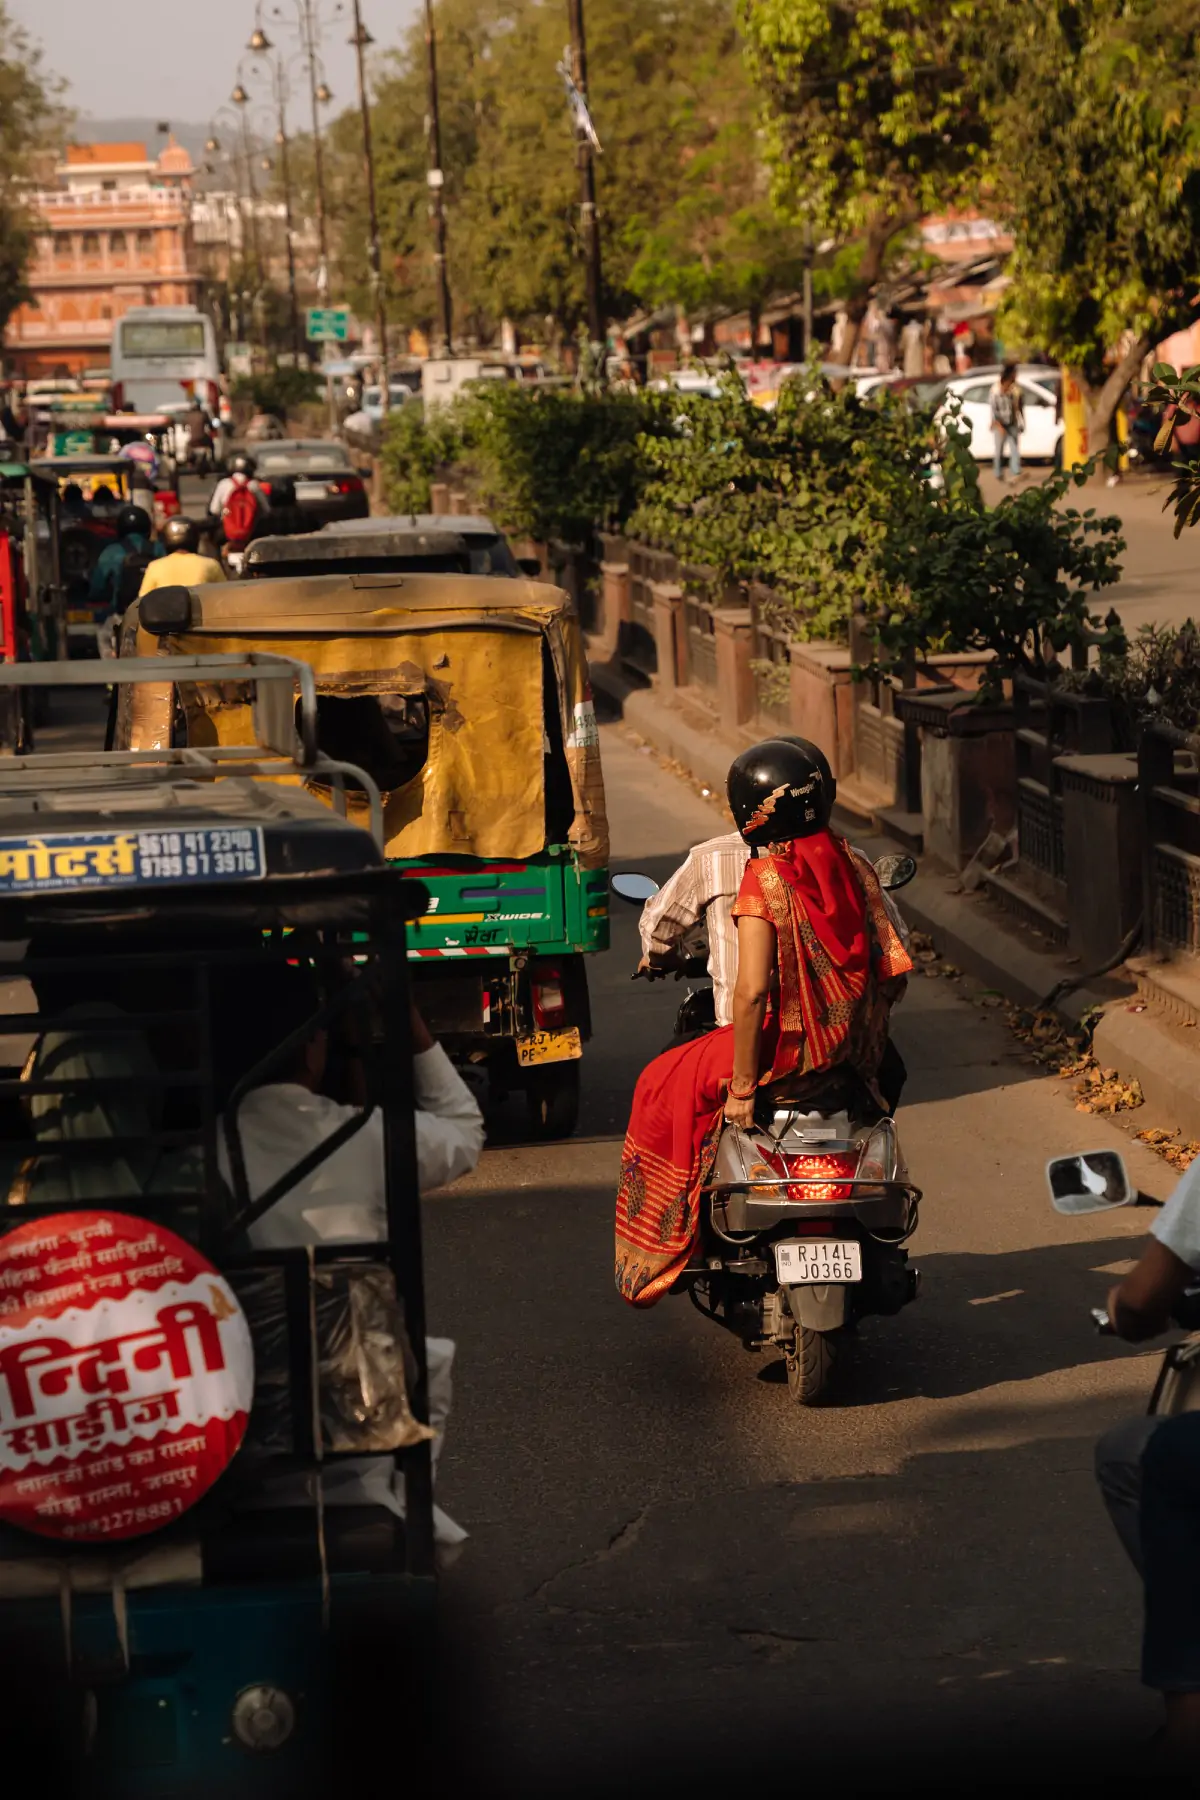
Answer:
(1149, 1473)
(342, 1199)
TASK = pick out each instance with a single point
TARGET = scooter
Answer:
(805, 1215)
(1098, 1181)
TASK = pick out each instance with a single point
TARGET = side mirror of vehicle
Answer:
(1094, 1182)
(634, 886)
(895, 871)
(530, 565)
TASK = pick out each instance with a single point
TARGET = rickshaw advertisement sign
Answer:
(126, 1376)
(89, 859)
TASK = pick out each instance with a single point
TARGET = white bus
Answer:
(161, 354)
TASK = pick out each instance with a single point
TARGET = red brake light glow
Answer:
(809, 1172)
(549, 1001)
(346, 484)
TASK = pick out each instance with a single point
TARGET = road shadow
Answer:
(963, 1622)
(982, 1320)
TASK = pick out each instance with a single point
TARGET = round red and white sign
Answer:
(126, 1376)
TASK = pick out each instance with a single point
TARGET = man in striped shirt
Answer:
(702, 893)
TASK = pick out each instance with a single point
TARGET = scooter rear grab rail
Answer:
(781, 1183)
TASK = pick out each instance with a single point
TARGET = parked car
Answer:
(487, 546)
(327, 485)
(1041, 440)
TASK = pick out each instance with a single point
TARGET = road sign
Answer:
(328, 324)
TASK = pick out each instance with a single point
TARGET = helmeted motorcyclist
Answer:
(182, 564)
(134, 547)
(702, 892)
(818, 965)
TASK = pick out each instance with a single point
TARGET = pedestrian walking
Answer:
(1008, 421)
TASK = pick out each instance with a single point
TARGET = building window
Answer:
(91, 243)
(117, 244)
(108, 187)
(145, 243)
(64, 247)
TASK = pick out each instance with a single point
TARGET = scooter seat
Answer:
(840, 1089)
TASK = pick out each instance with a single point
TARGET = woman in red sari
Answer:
(819, 966)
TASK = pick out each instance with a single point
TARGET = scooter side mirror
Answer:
(632, 885)
(1094, 1182)
(895, 871)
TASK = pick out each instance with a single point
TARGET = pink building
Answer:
(115, 232)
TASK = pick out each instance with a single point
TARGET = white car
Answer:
(1042, 437)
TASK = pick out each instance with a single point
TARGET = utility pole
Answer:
(289, 229)
(436, 180)
(308, 31)
(360, 40)
(589, 223)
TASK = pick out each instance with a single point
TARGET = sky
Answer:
(177, 59)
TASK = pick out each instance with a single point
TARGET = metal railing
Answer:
(1169, 785)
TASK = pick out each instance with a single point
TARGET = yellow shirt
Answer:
(182, 568)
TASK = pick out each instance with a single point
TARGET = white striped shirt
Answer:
(702, 891)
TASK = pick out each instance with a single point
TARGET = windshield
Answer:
(163, 337)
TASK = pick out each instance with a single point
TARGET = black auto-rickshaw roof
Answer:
(83, 463)
(387, 542)
(345, 605)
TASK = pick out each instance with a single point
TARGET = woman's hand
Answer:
(739, 1112)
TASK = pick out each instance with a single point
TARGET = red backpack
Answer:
(239, 515)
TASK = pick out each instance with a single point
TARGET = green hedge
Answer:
(834, 503)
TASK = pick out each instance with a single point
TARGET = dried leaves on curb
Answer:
(1178, 1151)
(1048, 1043)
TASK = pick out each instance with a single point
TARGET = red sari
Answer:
(835, 945)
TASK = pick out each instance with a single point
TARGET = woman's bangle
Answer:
(748, 1095)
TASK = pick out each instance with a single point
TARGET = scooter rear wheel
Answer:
(810, 1365)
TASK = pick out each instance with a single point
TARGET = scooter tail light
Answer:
(810, 1175)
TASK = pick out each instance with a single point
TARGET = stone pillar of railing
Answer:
(668, 618)
(733, 629)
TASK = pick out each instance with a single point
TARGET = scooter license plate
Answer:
(802, 1262)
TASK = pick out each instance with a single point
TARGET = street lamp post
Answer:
(308, 27)
(360, 40)
(241, 99)
(261, 45)
(436, 180)
(589, 222)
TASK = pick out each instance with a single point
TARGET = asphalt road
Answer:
(675, 1574)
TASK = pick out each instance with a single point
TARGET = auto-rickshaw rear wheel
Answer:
(552, 1099)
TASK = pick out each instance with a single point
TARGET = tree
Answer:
(719, 240)
(684, 208)
(872, 117)
(31, 120)
(1095, 126)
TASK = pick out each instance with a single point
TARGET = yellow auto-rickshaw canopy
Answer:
(478, 647)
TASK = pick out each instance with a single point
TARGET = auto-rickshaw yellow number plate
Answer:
(80, 615)
(549, 1046)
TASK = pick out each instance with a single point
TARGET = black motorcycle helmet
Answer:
(181, 534)
(241, 464)
(821, 760)
(133, 519)
(778, 790)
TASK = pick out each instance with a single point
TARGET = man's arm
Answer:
(1140, 1306)
(449, 1123)
(667, 915)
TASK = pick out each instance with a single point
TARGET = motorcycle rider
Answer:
(182, 565)
(1149, 1474)
(702, 892)
(818, 965)
(129, 555)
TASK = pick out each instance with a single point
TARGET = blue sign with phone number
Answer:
(90, 859)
